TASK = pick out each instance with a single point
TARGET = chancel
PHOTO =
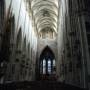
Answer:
(47, 65)
(44, 44)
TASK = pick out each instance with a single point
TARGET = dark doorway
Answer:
(47, 65)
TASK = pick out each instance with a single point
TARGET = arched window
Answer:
(44, 66)
(47, 33)
(47, 62)
(49, 66)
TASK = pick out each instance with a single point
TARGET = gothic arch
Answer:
(19, 39)
(49, 49)
(45, 11)
(13, 27)
(47, 46)
(24, 44)
(28, 49)
(47, 62)
(6, 39)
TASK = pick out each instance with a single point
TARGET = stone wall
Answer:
(20, 43)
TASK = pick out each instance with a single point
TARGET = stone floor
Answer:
(38, 85)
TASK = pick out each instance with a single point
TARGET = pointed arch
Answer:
(12, 27)
(47, 49)
(19, 39)
(47, 62)
(24, 44)
(28, 49)
(6, 40)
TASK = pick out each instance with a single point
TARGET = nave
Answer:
(44, 44)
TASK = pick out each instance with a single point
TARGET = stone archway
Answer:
(19, 39)
(7, 46)
(47, 65)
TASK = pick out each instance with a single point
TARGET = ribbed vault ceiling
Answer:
(45, 13)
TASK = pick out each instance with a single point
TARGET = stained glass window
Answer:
(49, 66)
(44, 66)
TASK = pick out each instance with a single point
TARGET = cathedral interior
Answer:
(44, 44)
